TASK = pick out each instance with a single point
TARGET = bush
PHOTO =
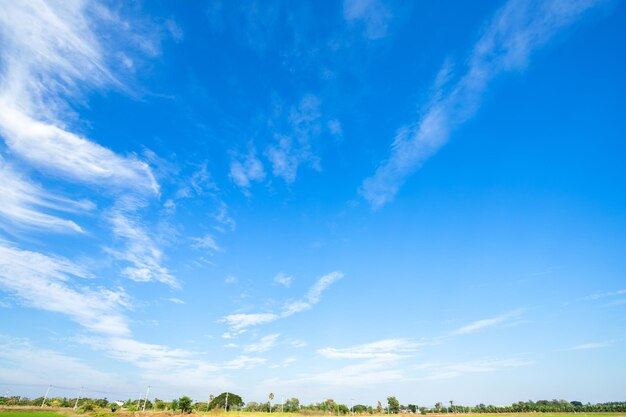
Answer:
(87, 405)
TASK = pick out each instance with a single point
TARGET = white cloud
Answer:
(382, 349)
(609, 294)
(264, 344)
(52, 148)
(363, 374)
(231, 279)
(49, 54)
(486, 323)
(298, 343)
(199, 183)
(334, 127)
(25, 205)
(244, 362)
(239, 323)
(243, 173)
(313, 295)
(42, 282)
(589, 346)
(32, 365)
(284, 363)
(283, 279)
(139, 250)
(175, 300)
(175, 30)
(514, 33)
(223, 218)
(372, 14)
(206, 242)
(294, 147)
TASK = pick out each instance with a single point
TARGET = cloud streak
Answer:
(486, 323)
(514, 33)
(382, 349)
(26, 205)
(590, 346)
(42, 282)
(240, 322)
(141, 255)
(50, 53)
(243, 173)
(372, 15)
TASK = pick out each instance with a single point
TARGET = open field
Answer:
(68, 412)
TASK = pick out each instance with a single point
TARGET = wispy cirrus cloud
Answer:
(54, 284)
(590, 346)
(382, 349)
(263, 344)
(598, 296)
(33, 365)
(283, 279)
(373, 16)
(50, 53)
(312, 296)
(613, 298)
(52, 58)
(239, 323)
(514, 33)
(363, 374)
(51, 148)
(27, 205)
(246, 171)
(503, 319)
(294, 143)
(143, 258)
(43, 282)
(206, 242)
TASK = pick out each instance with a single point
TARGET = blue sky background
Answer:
(343, 200)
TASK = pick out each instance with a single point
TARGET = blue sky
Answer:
(343, 200)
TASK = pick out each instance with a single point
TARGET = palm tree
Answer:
(271, 397)
(451, 405)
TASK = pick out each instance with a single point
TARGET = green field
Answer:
(71, 413)
(28, 413)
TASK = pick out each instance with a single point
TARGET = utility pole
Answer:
(78, 398)
(46, 396)
(145, 399)
(226, 405)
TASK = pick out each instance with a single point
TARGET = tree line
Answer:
(232, 402)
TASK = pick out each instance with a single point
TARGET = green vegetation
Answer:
(28, 413)
(226, 401)
(233, 402)
(184, 404)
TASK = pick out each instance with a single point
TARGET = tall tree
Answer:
(393, 404)
(184, 403)
(228, 401)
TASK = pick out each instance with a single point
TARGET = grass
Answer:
(68, 412)
(28, 413)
